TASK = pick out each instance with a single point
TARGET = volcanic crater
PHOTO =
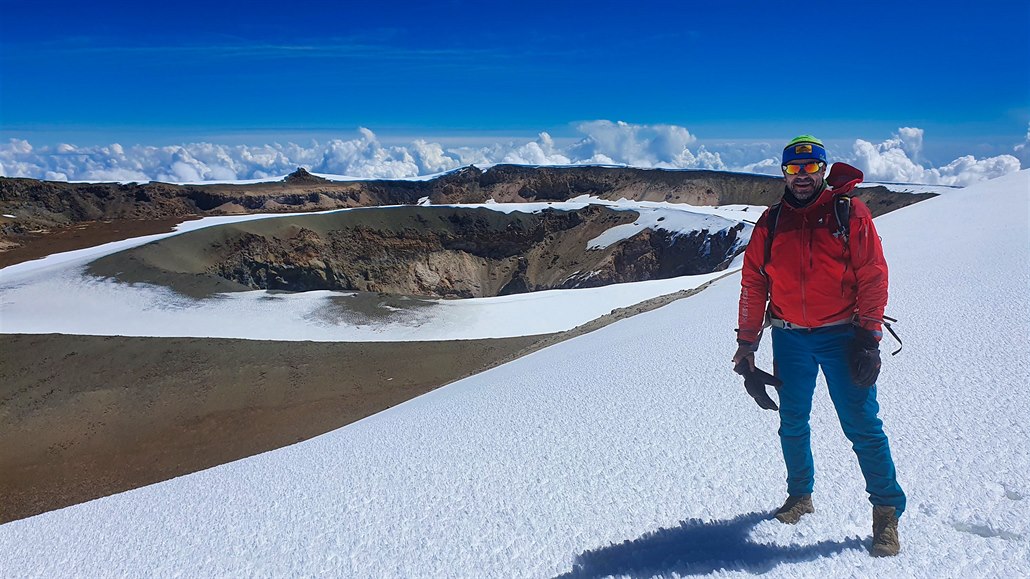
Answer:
(430, 251)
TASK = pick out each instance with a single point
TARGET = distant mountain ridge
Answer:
(45, 205)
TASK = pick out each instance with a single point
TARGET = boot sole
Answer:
(884, 552)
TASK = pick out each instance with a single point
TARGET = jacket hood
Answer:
(843, 177)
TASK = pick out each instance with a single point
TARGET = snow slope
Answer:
(631, 451)
(53, 295)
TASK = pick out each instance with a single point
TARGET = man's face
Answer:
(803, 185)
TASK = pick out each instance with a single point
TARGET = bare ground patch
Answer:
(84, 417)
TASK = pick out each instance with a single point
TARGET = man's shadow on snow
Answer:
(697, 547)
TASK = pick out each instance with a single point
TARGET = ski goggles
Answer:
(794, 169)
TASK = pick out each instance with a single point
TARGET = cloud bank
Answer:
(897, 159)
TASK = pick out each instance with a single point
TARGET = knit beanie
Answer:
(804, 147)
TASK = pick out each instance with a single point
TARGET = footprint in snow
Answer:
(986, 530)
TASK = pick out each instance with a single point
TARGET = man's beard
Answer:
(805, 194)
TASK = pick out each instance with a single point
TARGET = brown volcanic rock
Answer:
(302, 177)
(41, 206)
(516, 183)
(513, 183)
(61, 203)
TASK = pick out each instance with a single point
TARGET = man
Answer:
(825, 284)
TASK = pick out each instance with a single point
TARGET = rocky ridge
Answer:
(46, 205)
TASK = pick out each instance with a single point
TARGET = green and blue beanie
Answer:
(804, 147)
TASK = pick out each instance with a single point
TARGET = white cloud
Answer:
(366, 157)
(967, 170)
(1022, 150)
(640, 146)
(886, 162)
(20, 146)
(112, 175)
(737, 154)
(897, 158)
(431, 158)
(892, 161)
(765, 167)
(539, 152)
(911, 141)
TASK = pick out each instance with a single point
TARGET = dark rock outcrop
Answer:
(302, 177)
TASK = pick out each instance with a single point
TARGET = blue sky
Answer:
(102, 72)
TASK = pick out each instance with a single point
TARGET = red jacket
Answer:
(815, 280)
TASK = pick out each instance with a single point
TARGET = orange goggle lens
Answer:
(807, 168)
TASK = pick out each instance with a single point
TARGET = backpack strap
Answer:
(770, 223)
(842, 211)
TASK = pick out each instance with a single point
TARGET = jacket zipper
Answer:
(804, 232)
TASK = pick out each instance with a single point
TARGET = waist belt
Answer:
(778, 323)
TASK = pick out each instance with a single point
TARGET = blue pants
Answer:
(799, 354)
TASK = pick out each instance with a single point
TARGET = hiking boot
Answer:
(885, 532)
(796, 505)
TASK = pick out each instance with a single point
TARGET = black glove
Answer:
(864, 358)
(755, 382)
